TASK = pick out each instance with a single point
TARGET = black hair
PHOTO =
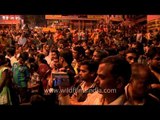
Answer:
(42, 58)
(123, 47)
(31, 59)
(92, 65)
(153, 51)
(2, 59)
(8, 62)
(34, 66)
(112, 51)
(67, 55)
(11, 51)
(139, 48)
(131, 50)
(24, 56)
(80, 50)
(37, 100)
(136, 68)
(56, 51)
(120, 67)
(102, 53)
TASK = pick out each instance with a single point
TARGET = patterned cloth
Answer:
(5, 97)
(43, 71)
(20, 75)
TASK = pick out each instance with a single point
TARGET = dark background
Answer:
(80, 7)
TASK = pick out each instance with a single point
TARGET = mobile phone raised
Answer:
(60, 79)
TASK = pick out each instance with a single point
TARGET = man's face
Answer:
(84, 73)
(84, 45)
(131, 58)
(47, 47)
(61, 60)
(53, 55)
(105, 80)
(61, 46)
(155, 63)
(55, 63)
(96, 56)
(87, 53)
(75, 54)
(21, 61)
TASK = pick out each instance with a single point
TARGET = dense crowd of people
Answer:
(112, 64)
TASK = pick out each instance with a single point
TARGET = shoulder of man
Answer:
(93, 99)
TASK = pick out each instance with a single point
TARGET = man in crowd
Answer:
(87, 75)
(154, 65)
(110, 80)
(21, 76)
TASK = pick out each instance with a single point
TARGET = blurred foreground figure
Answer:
(137, 91)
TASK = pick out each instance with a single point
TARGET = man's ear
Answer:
(120, 82)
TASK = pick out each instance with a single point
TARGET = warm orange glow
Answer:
(152, 17)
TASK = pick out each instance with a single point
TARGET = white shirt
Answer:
(97, 99)
(48, 59)
(13, 60)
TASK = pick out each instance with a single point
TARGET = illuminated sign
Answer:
(95, 16)
(9, 21)
(152, 17)
(52, 16)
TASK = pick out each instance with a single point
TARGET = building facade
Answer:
(10, 21)
(79, 22)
